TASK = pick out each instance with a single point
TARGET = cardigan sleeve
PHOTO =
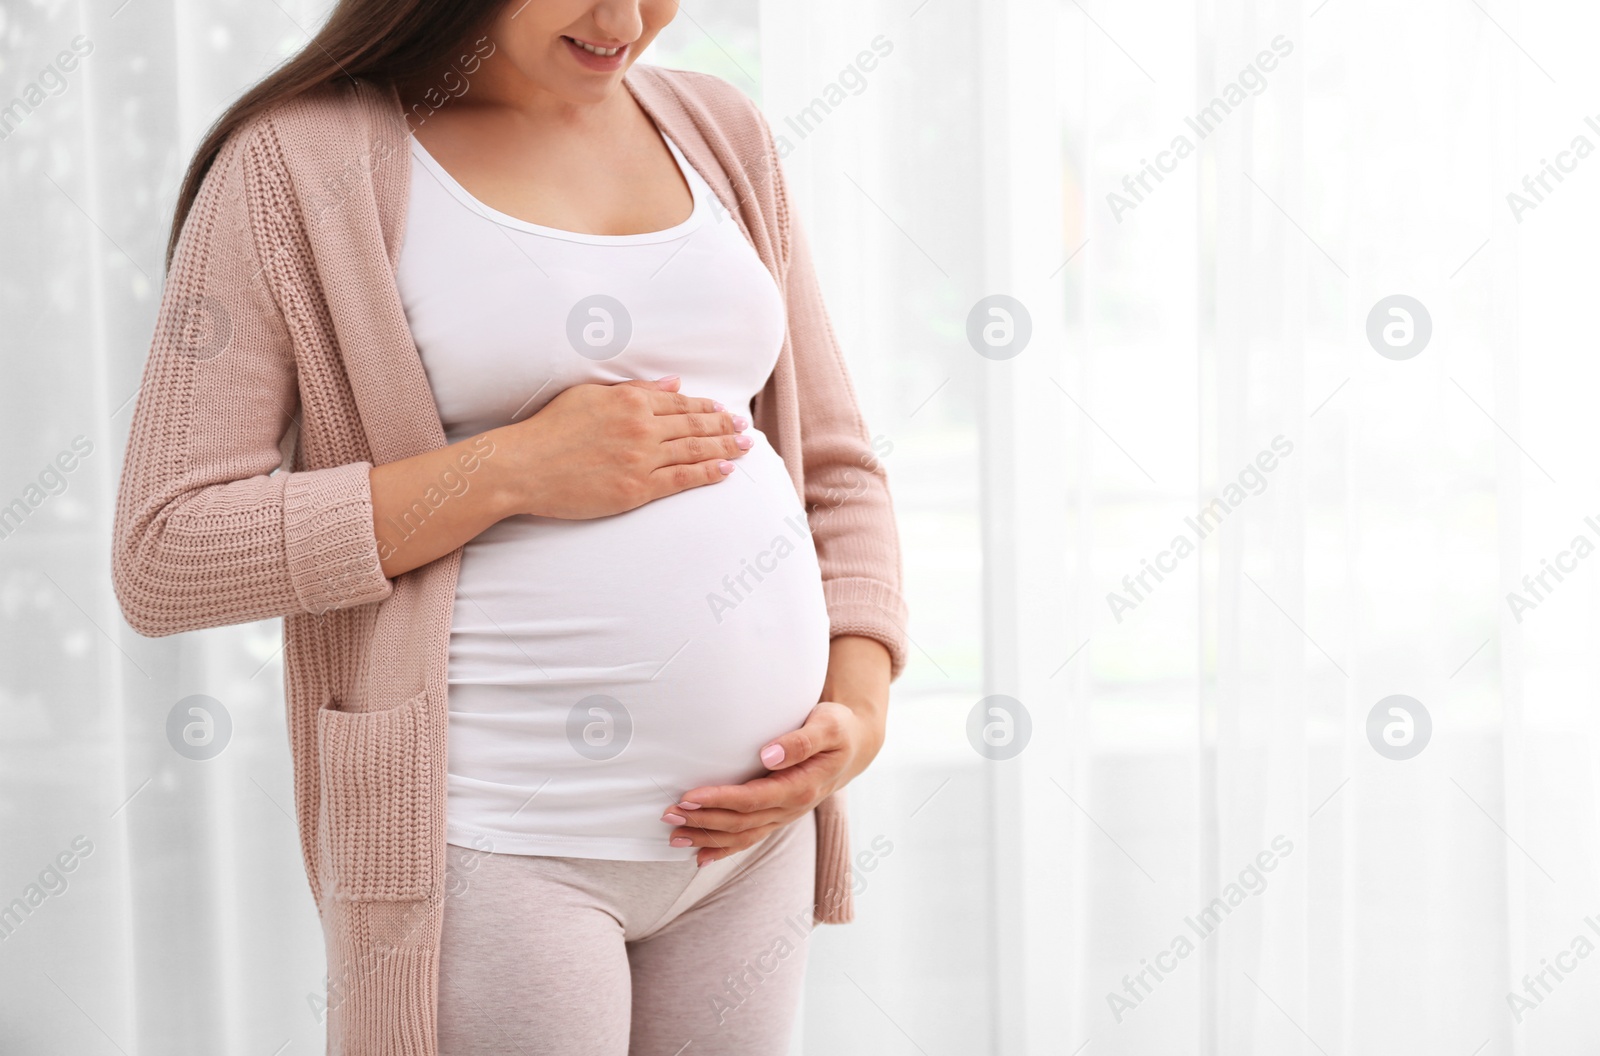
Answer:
(209, 529)
(846, 487)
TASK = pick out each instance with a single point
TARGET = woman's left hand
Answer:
(839, 738)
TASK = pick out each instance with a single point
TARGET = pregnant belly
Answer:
(599, 669)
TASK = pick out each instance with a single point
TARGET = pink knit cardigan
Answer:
(282, 369)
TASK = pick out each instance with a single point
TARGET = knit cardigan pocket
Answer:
(378, 821)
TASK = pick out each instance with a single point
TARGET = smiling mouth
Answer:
(594, 49)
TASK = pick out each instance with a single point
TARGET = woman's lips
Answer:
(587, 53)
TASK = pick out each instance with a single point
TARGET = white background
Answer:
(1169, 346)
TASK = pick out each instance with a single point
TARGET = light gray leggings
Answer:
(550, 956)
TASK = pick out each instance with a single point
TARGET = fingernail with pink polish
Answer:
(673, 819)
(717, 405)
(740, 422)
(682, 841)
(744, 443)
(725, 467)
(686, 805)
(772, 755)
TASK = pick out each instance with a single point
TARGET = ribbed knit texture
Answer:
(280, 316)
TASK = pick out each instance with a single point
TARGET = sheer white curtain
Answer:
(1197, 361)
(1366, 154)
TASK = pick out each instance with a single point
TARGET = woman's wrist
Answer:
(858, 679)
(512, 483)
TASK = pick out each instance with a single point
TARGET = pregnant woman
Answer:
(496, 365)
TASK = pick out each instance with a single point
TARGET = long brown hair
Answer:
(376, 39)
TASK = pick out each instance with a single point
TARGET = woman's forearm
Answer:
(427, 505)
(592, 451)
(858, 678)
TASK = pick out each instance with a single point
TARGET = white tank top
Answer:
(600, 669)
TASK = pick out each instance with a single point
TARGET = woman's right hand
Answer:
(597, 450)
(593, 451)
